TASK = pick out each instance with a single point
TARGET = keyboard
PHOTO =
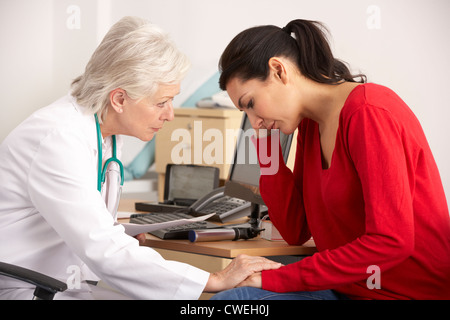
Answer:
(178, 232)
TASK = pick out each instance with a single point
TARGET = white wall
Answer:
(402, 44)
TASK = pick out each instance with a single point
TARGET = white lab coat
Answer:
(53, 219)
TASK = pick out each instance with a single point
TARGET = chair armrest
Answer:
(46, 287)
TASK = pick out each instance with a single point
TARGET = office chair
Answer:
(46, 287)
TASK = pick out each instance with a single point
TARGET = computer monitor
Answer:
(243, 182)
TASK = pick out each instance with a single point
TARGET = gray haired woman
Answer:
(61, 174)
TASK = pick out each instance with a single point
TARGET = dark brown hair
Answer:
(304, 42)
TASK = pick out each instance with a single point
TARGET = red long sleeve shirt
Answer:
(381, 203)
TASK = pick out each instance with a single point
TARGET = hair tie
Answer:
(285, 29)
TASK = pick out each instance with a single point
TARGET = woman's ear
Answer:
(277, 67)
(117, 99)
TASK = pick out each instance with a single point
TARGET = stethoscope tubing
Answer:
(101, 173)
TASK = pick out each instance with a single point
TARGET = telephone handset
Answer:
(226, 208)
(208, 198)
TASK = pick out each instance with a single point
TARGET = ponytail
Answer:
(302, 41)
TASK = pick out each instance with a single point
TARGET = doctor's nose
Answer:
(168, 113)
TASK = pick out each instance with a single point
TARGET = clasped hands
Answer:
(243, 271)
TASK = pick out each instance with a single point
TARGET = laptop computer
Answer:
(184, 184)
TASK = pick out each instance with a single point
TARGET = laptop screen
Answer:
(189, 182)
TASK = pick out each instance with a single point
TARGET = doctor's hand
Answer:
(141, 238)
(237, 271)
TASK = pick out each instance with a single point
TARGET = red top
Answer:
(381, 203)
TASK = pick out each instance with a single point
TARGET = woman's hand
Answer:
(255, 281)
(237, 271)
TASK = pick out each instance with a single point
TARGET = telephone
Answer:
(226, 208)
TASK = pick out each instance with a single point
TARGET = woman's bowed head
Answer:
(270, 72)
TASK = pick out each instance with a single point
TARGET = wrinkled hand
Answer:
(237, 271)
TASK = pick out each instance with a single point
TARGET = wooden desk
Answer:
(224, 249)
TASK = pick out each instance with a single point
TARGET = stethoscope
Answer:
(102, 172)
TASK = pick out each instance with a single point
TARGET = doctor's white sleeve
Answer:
(62, 186)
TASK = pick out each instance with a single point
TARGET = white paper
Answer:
(133, 229)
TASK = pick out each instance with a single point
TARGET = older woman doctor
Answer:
(55, 216)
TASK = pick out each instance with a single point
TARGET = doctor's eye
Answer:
(162, 104)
